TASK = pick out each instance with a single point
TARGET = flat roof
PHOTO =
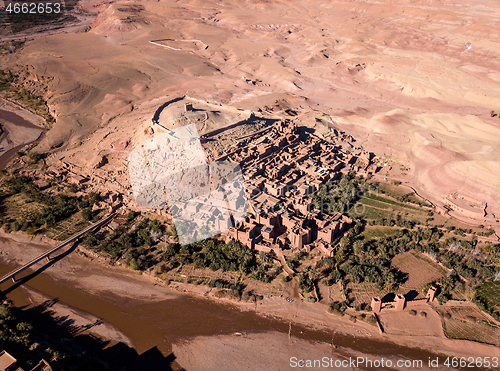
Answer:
(6, 360)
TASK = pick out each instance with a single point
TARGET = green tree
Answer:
(73, 188)
(92, 198)
(135, 264)
(34, 157)
(358, 247)
(87, 214)
(335, 276)
(24, 327)
(130, 216)
(173, 231)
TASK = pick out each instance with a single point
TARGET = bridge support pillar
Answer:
(14, 279)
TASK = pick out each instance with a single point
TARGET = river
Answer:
(159, 324)
(20, 122)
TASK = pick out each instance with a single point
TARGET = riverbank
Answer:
(30, 117)
(142, 297)
(19, 127)
(84, 321)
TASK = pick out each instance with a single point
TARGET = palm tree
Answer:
(358, 247)
(313, 274)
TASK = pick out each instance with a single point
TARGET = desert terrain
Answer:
(414, 81)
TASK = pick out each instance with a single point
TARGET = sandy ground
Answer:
(275, 351)
(413, 81)
(16, 135)
(270, 351)
(121, 286)
(399, 327)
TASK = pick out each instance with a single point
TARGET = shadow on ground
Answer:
(77, 349)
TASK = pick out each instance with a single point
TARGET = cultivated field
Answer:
(330, 293)
(363, 292)
(189, 274)
(490, 292)
(467, 323)
(420, 270)
(19, 207)
(379, 206)
(66, 228)
(372, 232)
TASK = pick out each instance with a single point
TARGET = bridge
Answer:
(55, 249)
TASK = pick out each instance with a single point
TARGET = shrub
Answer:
(371, 320)
(135, 264)
(92, 198)
(287, 278)
(87, 214)
(220, 293)
(130, 216)
(34, 157)
(73, 188)
(173, 231)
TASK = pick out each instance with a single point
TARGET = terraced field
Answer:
(379, 206)
(363, 292)
(420, 270)
(490, 292)
(467, 323)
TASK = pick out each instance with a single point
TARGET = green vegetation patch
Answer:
(67, 227)
(489, 292)
(340, 196)
(397, 192)
(373, 209)
(419, 270)
(383, 202)
(465, 330)
(14, 90)
(378, 231)
(23, 206)
(141, 248)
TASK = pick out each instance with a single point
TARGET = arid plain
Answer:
(414, 81)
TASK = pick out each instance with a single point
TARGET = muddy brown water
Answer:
(159, 324)
(18, 121)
